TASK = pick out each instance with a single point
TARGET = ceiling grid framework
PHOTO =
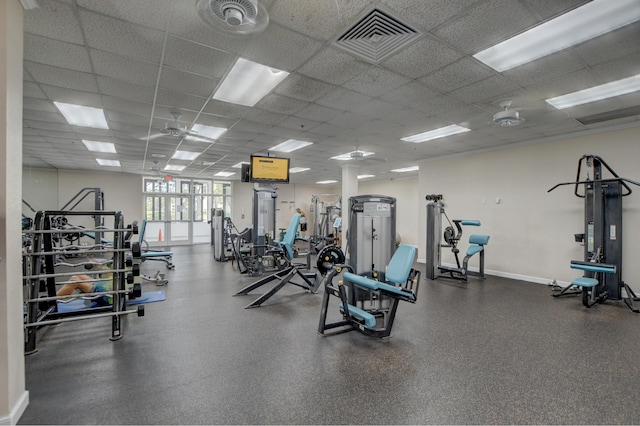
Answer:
(109, 54)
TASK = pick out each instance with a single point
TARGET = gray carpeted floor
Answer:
(496, 351)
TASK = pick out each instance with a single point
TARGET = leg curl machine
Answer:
(374, 315)
(451, 237)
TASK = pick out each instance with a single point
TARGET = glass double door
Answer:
(177, 219)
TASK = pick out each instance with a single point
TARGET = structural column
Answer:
(349, 189)
(13, 395)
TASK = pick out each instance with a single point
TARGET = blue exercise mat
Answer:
(84, 304)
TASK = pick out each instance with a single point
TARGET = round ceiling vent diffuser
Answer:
(234, 17)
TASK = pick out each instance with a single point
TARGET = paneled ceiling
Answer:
(142, 60)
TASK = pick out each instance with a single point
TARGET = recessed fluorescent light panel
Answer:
(322, 182)
(597, 93)
(406, 169)
(185, 155)
(581, 24)
(436, 134)
(225, 174)
(351, 156)
(78, 115)
(290, 145)
(112, 163)
(298, 169)
(365, 176)
(248, 82)
(174, 168)
(209, 132)
(95, 146)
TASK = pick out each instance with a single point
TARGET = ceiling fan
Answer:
(177, 130)
(507, 117)
(234, 17)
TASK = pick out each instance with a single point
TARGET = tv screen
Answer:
(269, 169)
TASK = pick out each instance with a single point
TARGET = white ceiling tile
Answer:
(544, 69)
(123, 38)
(280, 48)
(56, 53)
(484, 89)
(485, 24)
(54, 20)
(422, 57)
(32, 90)
(197, 58)
(124, 68)
(333, 66)
(122, 89)
(38, 105)
(412, 95)
(614, 45)
(343, 99)
(376, 81)
(152, 13)
(281, 104)
(427, 14)
(300, 87)
(181, 81)
(61, 77)
(322, 20)
(318, 113)
(177, 100)
(72, 96)
(458, 74)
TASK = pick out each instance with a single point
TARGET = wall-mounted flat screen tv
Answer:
(269, 169)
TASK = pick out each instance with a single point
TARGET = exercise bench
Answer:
(592, 290)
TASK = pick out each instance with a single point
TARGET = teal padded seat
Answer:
(477, 243)
(585, 282)
(289, 238)
(397, 273)
(591, 267)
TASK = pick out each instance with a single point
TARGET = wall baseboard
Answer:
(17, 411)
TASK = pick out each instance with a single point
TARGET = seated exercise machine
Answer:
(602, 237)
(367, 304)
(451, 237)
(283, 254)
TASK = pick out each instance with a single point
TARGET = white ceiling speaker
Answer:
(234, 17)
(508, 117)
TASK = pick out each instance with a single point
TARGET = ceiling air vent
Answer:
(376, 36)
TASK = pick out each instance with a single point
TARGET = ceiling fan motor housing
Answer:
(235, 12)
(507, 118)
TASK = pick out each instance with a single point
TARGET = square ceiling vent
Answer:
(376, 36)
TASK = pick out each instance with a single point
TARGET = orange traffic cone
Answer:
(159, 234)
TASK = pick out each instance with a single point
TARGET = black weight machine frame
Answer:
(602, 235)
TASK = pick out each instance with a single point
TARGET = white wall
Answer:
(532, 230)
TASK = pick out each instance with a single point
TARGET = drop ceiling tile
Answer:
(411, 95)
(303, 88)
(124, 68)
(181, 81)
(46, 116)
(197, 58)
(333, 66)
(376, 81)
(123, 38)
(280, 104)
(61, 77)
(550, 8)
(72, 96)
(343, 99)
(567, 83)
(327, 129)
(458, 74)
(265, 117)
(32, 90)
(544, 69)
(488, 23)
(298, 124)
(280, 48)
(484, 89)
(56, 53)
(126, 107)
(422, 57)
(53, 20)
(226, 109)
(121, 89)
(350, 120)
(617, 69)
(427, 15)
(151, 13)
(318, 113)
(38, 105)
(46, 125)
(177, 100)
(376, 108)
(322, 20)
(617, 44)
